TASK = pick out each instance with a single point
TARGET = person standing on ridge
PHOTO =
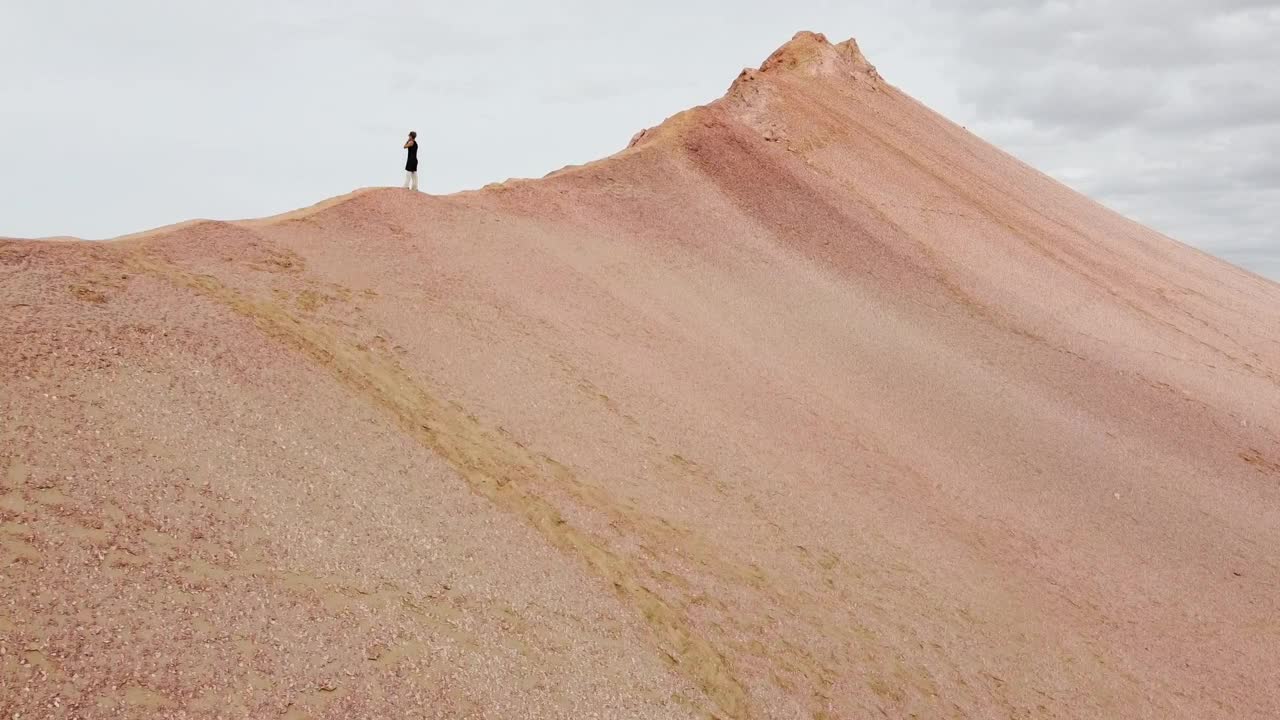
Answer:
(411, 164)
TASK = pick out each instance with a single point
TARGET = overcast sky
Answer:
(124, 115)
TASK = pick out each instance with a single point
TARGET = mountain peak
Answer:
(806, 55)
(811, 53)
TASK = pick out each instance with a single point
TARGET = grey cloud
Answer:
(1084, 98)
(1168, 111)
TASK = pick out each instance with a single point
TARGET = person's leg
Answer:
(407, 177)
(414, 175)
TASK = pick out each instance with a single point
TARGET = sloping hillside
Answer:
(807, 404)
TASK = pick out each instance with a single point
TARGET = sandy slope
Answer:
(808, 404)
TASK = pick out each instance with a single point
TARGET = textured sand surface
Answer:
(809, 404)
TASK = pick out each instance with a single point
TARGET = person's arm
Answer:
(410, 143)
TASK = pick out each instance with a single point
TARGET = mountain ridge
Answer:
(808, 403)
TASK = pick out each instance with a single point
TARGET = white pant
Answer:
(411, 180)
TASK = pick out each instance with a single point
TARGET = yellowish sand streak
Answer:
(493, 465)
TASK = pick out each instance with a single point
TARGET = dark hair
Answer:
(413, 134)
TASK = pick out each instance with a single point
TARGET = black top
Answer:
(411, 164)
